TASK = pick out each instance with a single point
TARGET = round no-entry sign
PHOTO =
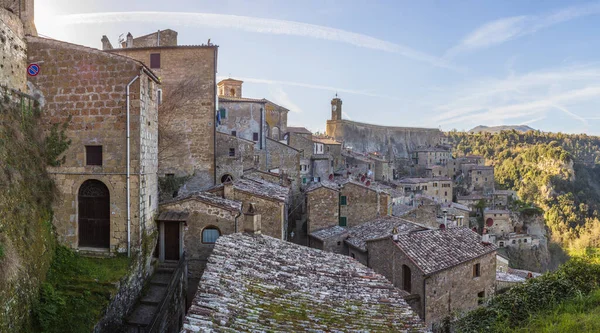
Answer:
(33, 69)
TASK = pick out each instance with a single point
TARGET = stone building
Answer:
(445, 271)
(481, 178)
(331, 148)
(317, 290)
(400, 141)
(284, 160)
(187, 103)
(472, 200)
(233, 156)
(501, 198)
(14, 46)
(437, 188)
(322, 205)
(192, 223)
(498, 222)
(431, 156)
(271, 202)
(249, 118)
(330, 239)
(107, 185)
(358, 164)
(23, 10)
(359, 203)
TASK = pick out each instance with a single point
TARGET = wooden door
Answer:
(171, 230)
(94, 215)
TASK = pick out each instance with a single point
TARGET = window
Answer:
(93, 155)
(501, 244)
(233, 133)
(339, 243)
(343, 221)
(232, 92)
(154, 60)
(231, 152)
(406, 278)
(476, 179)
(223, 113)
(514, 241)
(256, 159)
(159, 96)
(343, 200)
(255, 136)
(435, 184)
(477, 270)
(352, 255)
(303, 180)
(210, 235)
(170, 175)
(226, 178)
(332, 163)
(327, 149)
(445, 193)
(525, 240)
(486, 179)
(480, 297)
(149, 201)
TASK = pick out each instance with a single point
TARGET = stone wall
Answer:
(441, 294)
(24, 10)
(87, 89)
(323, 208)
(286, 159)
(273, 213)
(276, 120)
(302, 142)
(333, 244)
(321, 167)
(362, 204)
(201, 216)
(161, 38)
(374, 138)
(482, 180)
(187, 112)
(246, 118)
(233, 165)
(13, 50)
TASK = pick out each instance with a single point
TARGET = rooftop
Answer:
(327, 141)
(436, 250)
(483, 167)
(262, 188)
(432, 149)
(173, 216)
(378, 228)
(242, 99)
(496, 211)
(507, 277)
(261, 284)
(472, 196)
(423, 180)
(300, 130)
(208, 198)
(324, 183)
(326, 233)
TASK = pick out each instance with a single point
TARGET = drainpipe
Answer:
(424, 297)
(261, 129)
(215, 120)
(236, 218)
(128, 173)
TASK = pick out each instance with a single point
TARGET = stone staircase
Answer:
(147, 307)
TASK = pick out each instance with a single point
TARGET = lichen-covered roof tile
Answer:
(377, 228)
(326, 233)
(263, 188)
(261, 284)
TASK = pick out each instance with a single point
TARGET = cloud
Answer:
(258, 25)
(531, 121)
(279, 96)
(505, 29)
(311, 86)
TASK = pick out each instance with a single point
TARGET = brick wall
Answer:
(322, 207)
(188, 119)
(88, 87)
(13, 52)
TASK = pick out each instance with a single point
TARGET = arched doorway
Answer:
(94, 214)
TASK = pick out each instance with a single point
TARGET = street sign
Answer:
(33, 69)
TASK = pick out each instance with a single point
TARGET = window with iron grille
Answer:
(93, 155)
(232, 152)
(154, 60)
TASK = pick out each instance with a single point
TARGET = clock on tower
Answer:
(336, 108)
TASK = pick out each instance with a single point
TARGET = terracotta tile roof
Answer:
(378, 228)
(256, 283)
(326, 233)
(207, 198)
(301, 130)
(327, 141)
(436, 250)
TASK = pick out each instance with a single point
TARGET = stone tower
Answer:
(336, 108)
(230, 88)
(24, 10)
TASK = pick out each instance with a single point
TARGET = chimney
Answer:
(228, 190)
(106, 45)
(252, 220)
(129, 39)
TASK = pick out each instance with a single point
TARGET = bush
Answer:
(575, 278)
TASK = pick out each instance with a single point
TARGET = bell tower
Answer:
(336, 108)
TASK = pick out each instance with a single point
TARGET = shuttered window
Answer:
(155, 60)
(343, 221)
(343, 200)
(93, 155)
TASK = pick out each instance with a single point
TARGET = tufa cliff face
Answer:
(363, 137)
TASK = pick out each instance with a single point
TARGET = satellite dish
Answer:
(368, 183)
(442, 226)
(489, 222)
(330, 176)
(362, 178)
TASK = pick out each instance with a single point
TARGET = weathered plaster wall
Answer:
(246, 118)
(370, 138)
(322, 207)
(86, 88)
(13, 50)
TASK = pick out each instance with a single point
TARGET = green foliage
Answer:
(169, 185)
(554, 174)
(1, 251)
(56, 143)
(576, 278)
(76, 291)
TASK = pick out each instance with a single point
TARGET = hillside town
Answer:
(240, 222)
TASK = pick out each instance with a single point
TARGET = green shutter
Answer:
(343, 200)
(342, 221)
(303, 180)
(223, 113)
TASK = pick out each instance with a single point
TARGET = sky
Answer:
(440, 64)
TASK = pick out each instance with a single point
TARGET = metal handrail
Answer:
(155, 323)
